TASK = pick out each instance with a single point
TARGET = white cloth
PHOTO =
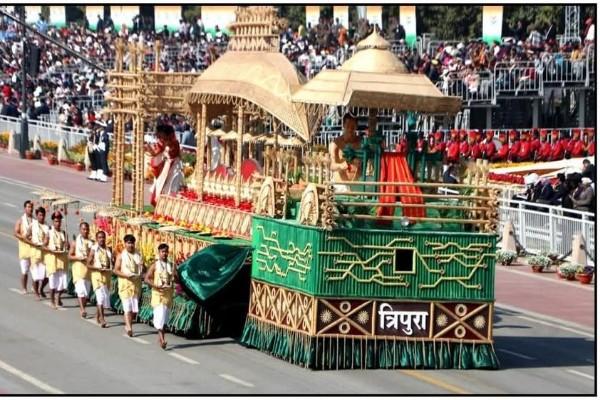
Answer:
(103, 296)
(161, 316)
(25, 224)
(38, 233)
(82, 288)
(38, 271)
(130, 305)
(82, 246)
(58, 280)
(25, 263)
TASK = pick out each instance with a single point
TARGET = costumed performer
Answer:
(165, 164)
(129, 268)
(21, 228)
(100, 261)
(78, 254)
(55, 259)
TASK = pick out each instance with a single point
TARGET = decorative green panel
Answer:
(362, 263)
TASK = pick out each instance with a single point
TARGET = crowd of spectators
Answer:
(575, 190)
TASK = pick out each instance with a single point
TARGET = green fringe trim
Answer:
(325, 353)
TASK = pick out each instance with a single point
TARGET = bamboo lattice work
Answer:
(140, 95)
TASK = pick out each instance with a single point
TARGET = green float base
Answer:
(326, 353)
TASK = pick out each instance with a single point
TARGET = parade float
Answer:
(334, 271)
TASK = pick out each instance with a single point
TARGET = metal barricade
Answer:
(517, 79)
(539, 227)
(481, 91)
(561, 70)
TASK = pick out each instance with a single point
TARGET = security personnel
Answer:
(576, 147)
(524, 148)
(543, 154)
(488, 146)
(502, 154)
(557, 150)
(515, 146)
(453, 149)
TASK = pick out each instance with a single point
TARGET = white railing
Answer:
(562, 70)
(478, 89)
(520, 78)
(540, 227)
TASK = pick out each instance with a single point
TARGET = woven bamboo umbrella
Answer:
(375, 78)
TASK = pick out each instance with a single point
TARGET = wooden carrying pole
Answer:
(201, 138)
(119, 135)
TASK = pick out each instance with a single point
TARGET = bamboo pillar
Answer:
(201, 135)
(119, 135)
(238, 158)
(157, 49)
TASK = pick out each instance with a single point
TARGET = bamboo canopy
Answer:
(374, 78)
(254, 70)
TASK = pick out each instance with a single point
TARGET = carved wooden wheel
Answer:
(309, 206)
(266, 198)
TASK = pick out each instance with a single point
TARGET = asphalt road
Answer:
(54, 351)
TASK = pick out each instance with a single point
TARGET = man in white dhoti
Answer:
(129, 267)
(161, 277)
(37, 233)
(100, 262)
(55, 259)
(21, 228)
(78, 254)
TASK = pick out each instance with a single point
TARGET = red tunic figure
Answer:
(402, 146)
(502, 154)
(453, 149)
(543, 154)
(489, 147)
(591, 146)
(557, 151)
(535, 143)
(475, 148)
(576, 146)
(525, 148)
(465, 149)
(439, 143)
(515, 146)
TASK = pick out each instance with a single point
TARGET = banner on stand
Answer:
(492, 24)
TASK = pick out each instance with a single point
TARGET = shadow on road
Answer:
(204, 343)
(544, 352)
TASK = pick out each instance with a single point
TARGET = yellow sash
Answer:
(78, 268)
(101, 260)
(55, 262)
(163, 276)
(24, 248)
(130, 287)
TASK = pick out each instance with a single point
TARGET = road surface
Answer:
(47, 351)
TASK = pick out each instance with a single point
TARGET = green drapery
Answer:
(209, 270)
(324, 353)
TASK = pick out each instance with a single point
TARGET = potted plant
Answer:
(551, 255)
(585, 274)
(568, 271)
(539, 263)
(506, 257)
(52, 160)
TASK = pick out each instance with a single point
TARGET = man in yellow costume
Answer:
(100, 262)
(80, 249)
(55, 259)
(21, 228)
(37, 233)
(129, 268)
(161, 277)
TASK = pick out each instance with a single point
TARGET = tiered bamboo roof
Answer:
(253, 70)
(375, 78)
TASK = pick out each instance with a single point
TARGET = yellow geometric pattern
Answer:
(282, 307)
(295, 260)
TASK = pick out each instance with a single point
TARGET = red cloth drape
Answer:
(394, 168)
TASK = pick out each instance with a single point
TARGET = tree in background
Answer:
(450, 22)
(295, 15)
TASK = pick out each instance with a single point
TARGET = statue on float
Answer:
(165, 163)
